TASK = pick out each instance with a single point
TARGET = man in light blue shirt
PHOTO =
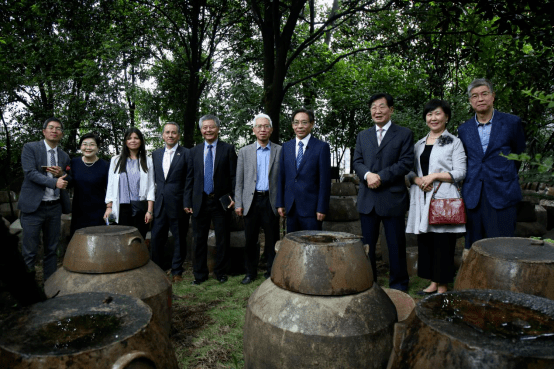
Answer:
(255, 192)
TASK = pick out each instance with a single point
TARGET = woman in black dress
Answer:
(90, 179)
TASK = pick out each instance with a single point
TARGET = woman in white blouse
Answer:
(131, 178)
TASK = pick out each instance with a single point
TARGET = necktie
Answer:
(53, 163)
(380, 135)
(167, 161)
(300, 154)
(208, 171)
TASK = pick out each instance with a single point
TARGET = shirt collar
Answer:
(477, 121)
(214, 143)
(258, 146)
(48, 147)
(172, 149)
(305, 140)
(386, 127)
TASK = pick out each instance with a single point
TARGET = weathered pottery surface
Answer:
(284, 329)
(322, 263)
(103, 249)
(478, 329)
(402, 301)
(84, 330)
(516, 264)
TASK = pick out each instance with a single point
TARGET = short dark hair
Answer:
(51, 119)
(477, 83)
(174, 124)
(390, 100)
(437, 103)
(90, 135)
(309, 112)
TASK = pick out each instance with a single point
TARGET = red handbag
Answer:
(450, 211)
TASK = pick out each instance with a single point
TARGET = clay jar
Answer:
(516, 264)
(113, 259)
(478, 329)
(320, 309)
(85, 330)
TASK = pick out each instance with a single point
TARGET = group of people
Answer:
(267, 181)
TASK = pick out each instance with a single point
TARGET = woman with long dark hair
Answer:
(90, 178)
(130, 194)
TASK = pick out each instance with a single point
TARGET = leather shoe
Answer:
(423, 293)
(267, 275)
(197, 282)
(177, 278)
(222, 278)
(247, 280)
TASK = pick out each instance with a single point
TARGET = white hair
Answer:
(262, 115)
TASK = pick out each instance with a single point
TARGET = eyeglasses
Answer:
(484, 95)
(380, 107)
(54, 128)
(259, 127)
(300, 123)
(89, 145)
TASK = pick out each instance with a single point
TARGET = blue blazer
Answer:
(309, 186)
(496, 174)
(33, 156)
(169, 192)
(392, 160)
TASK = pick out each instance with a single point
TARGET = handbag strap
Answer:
(440, 183)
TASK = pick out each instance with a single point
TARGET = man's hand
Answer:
(61, 183)
(148, 217)
(281, 211)
(232, 204)
(320, 216)
(238, 211)
(373, 180)
(56, 171)
(188, 210)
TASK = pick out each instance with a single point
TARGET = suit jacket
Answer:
(496, 174)
(392, 160)
(225, 166)
(170, 190)
(449, 158)
(247, 166)
(309, 186)
(33, 156)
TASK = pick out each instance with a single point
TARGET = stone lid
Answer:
(516, 249)
(322, 263)
(105, 249)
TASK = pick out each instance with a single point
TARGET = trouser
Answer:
(295, 222)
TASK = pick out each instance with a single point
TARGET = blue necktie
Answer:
(300, 154)
(53, 163)
(208, 171)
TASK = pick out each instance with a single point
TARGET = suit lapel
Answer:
(372, 133)
(474, 139)
(307, 153)
(218, 154)
(272, 156)
(292, 154)
(253, 159)
(388, 137)
(43, 161)
(496, 128)
(177, 156)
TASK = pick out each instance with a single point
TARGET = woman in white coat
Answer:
(439, 158)
(131, 178)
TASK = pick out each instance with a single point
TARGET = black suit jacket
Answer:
(225, 167)
(392, 160)
(170, 191)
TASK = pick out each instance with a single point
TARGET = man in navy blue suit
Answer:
(304, 185)
(384, 154)
(170, 173)
(491, 188)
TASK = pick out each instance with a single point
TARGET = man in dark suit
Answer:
(304, 186)
(384, 154)
(256, 190)
(170, 173)
(491, 187)
(43, 197)
(211, 183)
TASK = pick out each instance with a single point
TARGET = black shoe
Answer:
(423, 293)
(222, 278)
(267, 275)
(247, 280)
(197, 282)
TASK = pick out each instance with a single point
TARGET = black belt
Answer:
(49, 202)
(261, 193)
(209, 196)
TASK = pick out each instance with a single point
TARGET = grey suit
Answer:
(37, 215)
(259, 209)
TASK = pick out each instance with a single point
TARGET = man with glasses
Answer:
(43, 197)
(256, 190)
(304, 185)
(384, 154)
(491, 188)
